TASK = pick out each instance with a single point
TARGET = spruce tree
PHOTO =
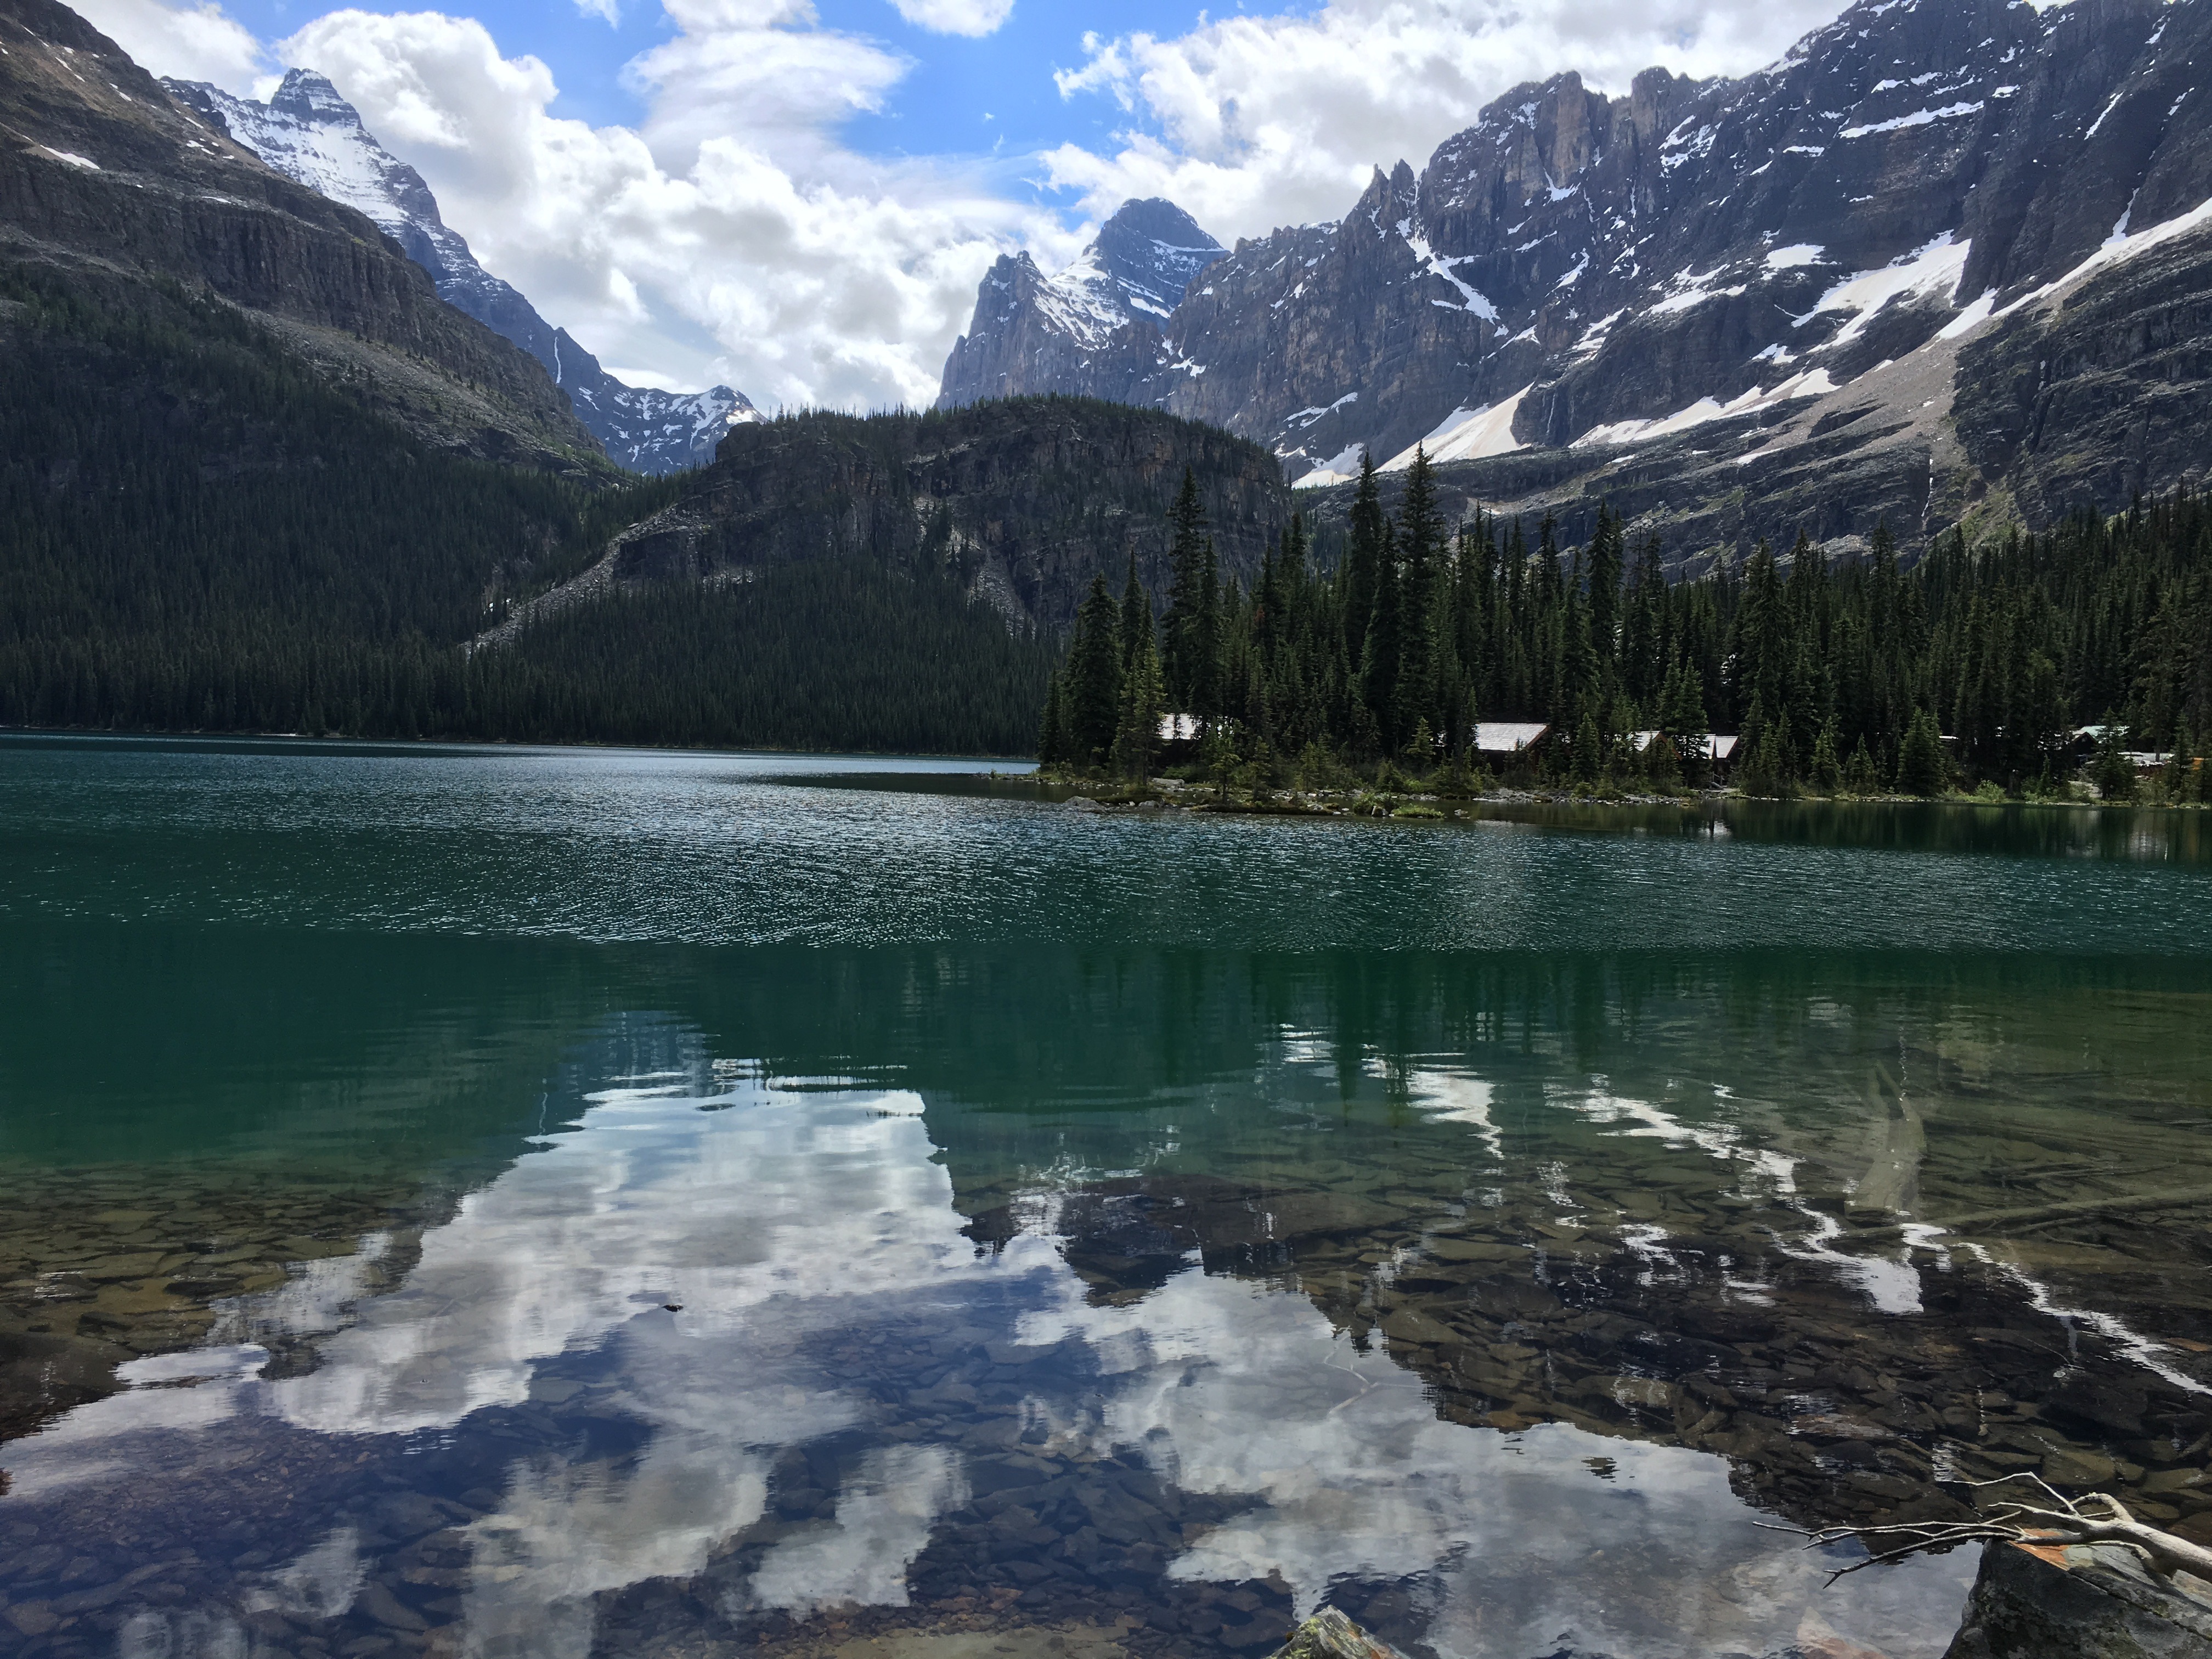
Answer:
(2113, 773)
(1385, 647)
(1143, 702)
(1051, 734)
(1921, 767)
(1603, 585)
(1860, 777)
(1588, 759)
(1093, 697)
(1826, 772)
(1187, 551)
(1420, 548)
(1136, 618)
(1362, 562)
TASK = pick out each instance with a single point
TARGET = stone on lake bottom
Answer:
(1330, 1635)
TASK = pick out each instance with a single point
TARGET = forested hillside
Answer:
(1843, 674)
(223, 542)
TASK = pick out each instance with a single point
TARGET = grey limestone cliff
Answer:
(1806, 299)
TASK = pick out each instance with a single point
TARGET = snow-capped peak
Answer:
(308, 133)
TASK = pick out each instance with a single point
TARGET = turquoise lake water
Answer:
(542, 1202)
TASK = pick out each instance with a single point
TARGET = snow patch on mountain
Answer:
(1933, 269)
(1466, 435)
(312, 135)
(1813, 383)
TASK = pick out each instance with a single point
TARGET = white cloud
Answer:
(731, 226)
(732, 235)
(1253, 122)
(192, 43)
(968, 17)
(607, 10)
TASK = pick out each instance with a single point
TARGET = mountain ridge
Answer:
(1577, 278)
(104, 180)
(308, 133)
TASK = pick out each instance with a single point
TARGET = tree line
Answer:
(1843, 675)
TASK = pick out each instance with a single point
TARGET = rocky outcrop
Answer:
(310, 134)
(2101, 393)
(106, 181)
(1584, 294)
(2083, 1601)
(1092, 329)
(1021, 501)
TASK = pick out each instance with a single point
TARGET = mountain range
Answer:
(309, 133)
(1944, 259)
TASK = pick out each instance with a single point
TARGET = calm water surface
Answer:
(512, 1203)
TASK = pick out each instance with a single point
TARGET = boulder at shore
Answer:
(2081, 1601)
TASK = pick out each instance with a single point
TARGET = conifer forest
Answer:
(1976, 666)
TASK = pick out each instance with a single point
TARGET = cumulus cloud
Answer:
(731, 226)
(970, 17)
(731, 234)
(1251, 122)
(192, 43)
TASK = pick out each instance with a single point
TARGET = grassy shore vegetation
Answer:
(1971, 672)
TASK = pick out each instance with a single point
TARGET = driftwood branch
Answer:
(2097, 1518)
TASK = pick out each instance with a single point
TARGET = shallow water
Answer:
(512, 1202)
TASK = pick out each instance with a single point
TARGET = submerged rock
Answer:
(1330, 1635)
(2081, 1602)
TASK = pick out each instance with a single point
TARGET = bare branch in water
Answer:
(2095, 1518)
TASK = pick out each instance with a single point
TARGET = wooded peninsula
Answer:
(1977, 669)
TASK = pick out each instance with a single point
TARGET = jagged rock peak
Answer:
(1097, 320)
(307, 95)
(1152, 250)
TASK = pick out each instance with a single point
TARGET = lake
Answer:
(505, 1202)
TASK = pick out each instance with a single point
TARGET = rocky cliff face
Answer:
(1094, 328)
(1578, 283)
(104, 180)
(310, 134)
(1022, 499)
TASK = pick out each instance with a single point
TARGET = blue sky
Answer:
(798, 199)
(941, 107)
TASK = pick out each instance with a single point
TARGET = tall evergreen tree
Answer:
(1189, 549)
(1362, 562)
(1093, 693)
